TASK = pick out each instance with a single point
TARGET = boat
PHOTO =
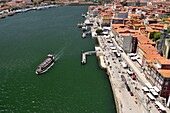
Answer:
(83, 15)
(79, 25)
(84, 28)
(84, 35)
(45, 65)
(11, 13)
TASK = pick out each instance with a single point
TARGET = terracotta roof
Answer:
(117, 25)
(168, 19)
(165, 73)
(157, 28)
(108, 4)
(120, 30)
(106, 14)
(134, 31)
(158, 25)
(127, 19)
(134, 15)
(109, 10)
(163, 61)
(147, 48)
(144, 40)
(151, 30)
(152, 57)
(138, 25)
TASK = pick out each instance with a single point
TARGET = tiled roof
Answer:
(105, 14)
(163, 61)
(164, 72)
(144, 40)
(151, 30)
(122, 30)
(138, 25)
(117, 25)
(147, 48)
(152, 57)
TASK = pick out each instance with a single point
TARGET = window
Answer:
(163, 93)
(165, 88)
(166, 83)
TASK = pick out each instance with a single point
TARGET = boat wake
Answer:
(59, 54)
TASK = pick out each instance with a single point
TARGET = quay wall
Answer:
(117, 102)
(114, 91)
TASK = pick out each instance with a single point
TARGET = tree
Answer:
(156, 36)
(99, 31)
(168, 30)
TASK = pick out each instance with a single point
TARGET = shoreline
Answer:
(99, 56)
(5, 13)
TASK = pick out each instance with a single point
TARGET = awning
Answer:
(150, 96)
(139, 61)
(158, 66)
(107, 28)
(111, 45)
(151, 90)
(149, 85)
(112, 48)
(114, 51)
(133, 58)
(145, 89)
(160, 106)
(156, 89)
(154, 93)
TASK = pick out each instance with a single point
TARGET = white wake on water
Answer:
(57, 55)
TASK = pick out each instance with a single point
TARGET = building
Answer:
(105, 19)
(166, 49)
(143, 49)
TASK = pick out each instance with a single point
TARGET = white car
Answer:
(130, 72)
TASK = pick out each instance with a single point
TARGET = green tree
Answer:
(156, 36)
(168, 30)
(99, 31)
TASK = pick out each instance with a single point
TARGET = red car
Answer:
(133, 76)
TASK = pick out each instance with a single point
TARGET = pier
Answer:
(83, 61)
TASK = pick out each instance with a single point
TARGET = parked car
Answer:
(133, 76)
(129, 71)
(131, 93)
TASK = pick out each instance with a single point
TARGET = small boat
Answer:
(83, 15)
(45, 65)
(84, 35)
(79, 25)
(11, 13)
(84, 28)
(2, 16)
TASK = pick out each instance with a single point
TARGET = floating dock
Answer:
(83, 61)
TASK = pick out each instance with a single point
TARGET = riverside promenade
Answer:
(126, 101)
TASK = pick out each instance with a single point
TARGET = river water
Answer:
(67, 87)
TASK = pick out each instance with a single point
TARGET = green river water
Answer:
(67, 87)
